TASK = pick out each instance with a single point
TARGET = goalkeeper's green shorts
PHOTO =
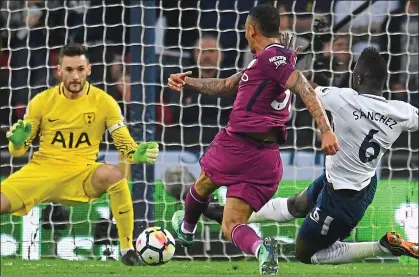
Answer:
(40, 182)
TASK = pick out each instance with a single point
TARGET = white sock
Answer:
(276, 209)
(125, 251)
(185, 231)
(343, 252)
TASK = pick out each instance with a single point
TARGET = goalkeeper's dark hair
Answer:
(267, 18)
(72, 50)
(371, 65)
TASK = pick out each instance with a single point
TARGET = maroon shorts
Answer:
(251, 170)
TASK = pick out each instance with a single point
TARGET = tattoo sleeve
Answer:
(299, 85)
(214, 86)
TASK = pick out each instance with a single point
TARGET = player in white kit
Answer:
(366, 125)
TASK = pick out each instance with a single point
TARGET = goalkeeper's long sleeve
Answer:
(124, 143)
(33, 115)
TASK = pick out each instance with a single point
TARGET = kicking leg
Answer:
(236, 215)
(110, 179)
(196, 202)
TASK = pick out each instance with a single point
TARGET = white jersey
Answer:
(366, 126)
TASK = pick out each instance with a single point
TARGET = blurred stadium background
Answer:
(135, 45)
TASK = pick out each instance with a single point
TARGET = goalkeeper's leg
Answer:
(10, 205)
(110, 179)
(24, 189)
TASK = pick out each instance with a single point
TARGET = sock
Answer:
(195, 205)
(342, 252)
(246, 239)
(122, 210)
(276, 209)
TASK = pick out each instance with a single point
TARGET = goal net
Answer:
(134, 46)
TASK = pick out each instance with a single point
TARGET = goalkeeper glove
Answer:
(146, 152)
(18, 133)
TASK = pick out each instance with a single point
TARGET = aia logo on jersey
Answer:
(278, 61)
(417, 115)
(89, 118)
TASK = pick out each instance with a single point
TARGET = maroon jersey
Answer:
(262, 102)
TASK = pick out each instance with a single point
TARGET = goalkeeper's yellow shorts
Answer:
(40, 182)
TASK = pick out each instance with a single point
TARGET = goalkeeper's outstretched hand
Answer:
(18, 133)
(146, 152)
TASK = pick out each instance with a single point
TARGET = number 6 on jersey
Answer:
(367, 144)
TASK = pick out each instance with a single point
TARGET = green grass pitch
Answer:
(49, 267)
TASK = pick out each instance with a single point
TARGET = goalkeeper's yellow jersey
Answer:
(71, 130)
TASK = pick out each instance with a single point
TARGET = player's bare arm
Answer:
(207, 86)
(299, 85)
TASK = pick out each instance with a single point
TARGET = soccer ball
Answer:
(155, 246)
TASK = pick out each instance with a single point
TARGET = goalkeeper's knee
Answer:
(106, 176)
(4, 204)
(10, 203)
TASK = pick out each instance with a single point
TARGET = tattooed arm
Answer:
(299, 85)
(206, 86)
(213, 86)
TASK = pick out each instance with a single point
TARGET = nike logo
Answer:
(124, 212)
(52, 120)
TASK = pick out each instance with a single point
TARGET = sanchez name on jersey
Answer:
(366, 126)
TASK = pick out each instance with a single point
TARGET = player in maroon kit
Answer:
(245, 155)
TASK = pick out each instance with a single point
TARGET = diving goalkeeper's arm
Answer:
(144, 152)
(22, 133)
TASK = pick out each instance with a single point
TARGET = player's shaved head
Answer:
(266, 18)
(370, 72)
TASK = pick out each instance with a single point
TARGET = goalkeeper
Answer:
(71, 119)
